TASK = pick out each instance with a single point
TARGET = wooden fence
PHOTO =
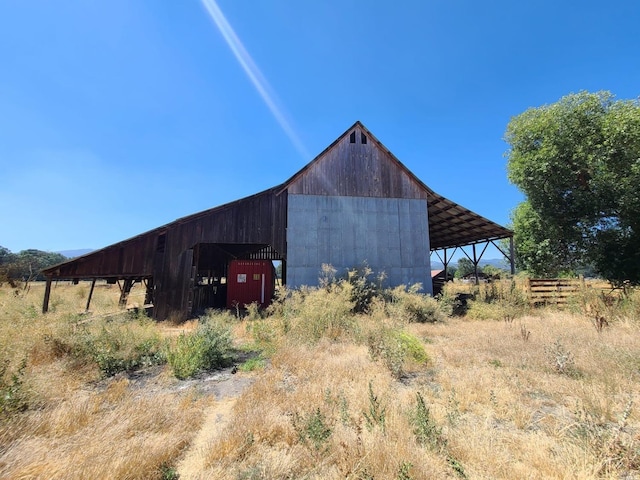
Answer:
(554, 291)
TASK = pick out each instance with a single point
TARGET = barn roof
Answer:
(450, 224)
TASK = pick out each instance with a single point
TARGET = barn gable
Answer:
(356, 204)
(356, 165)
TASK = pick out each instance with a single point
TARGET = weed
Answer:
(427, 433)
(404, 471)
(13, 396)
(395, 348)
(377, 414)
(343, 404)
(322, 313)
(207, 348)
(453, 408)
(265, 337)
(168, 473)
(456, 466)
(616, 448)
(501, 299)
(561, 359)
(253, 311)
(524, 333)
(118, 345)
(411, 306)
(312, 428)
(252, 364)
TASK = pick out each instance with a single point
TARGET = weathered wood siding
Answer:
(132, 257)
(260, 219)
(166, 253)
(356, 170)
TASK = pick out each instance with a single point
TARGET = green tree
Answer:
(465, 266)
(26, 265)
(578, 163)
(492, 271)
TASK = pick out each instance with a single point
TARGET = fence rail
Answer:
(552, 290)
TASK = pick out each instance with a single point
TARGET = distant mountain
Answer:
(75, 253)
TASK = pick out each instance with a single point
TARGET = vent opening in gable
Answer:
(352, 137)
(363, 139)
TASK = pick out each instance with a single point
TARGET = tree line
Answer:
(26, 265)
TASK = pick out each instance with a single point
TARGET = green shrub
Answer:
(208, 347)
(317, 313)
(412, 347)
(500, 300)
(396, 348)
(425, 429)
(478, 310)
(118, 344)
(409, 305)
(13, 394)
(264, 334)
(312, 428)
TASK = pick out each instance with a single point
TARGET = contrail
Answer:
(253, 72)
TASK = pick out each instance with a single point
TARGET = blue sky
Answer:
(123, 115)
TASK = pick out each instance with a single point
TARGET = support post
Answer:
(93, 284)
(446, 266)
(148, 296)
(47, 293)
(475, 264)
(512, 256)
(124, 294)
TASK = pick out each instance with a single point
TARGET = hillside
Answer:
(401, 391)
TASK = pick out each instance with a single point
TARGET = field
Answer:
(339, 382)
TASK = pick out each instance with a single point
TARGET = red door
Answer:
(250, 281)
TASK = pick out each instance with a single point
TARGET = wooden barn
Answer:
(354, 203)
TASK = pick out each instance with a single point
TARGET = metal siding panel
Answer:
(390, 234)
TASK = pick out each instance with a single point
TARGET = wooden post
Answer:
(512, 255)
(47, 292)
(124, 294)
(446, 266)
(93, 284)
(475, 264)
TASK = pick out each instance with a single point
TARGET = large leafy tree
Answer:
(578, 163)
(27, 264)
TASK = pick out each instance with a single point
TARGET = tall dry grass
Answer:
(529, 394)
(61, 420)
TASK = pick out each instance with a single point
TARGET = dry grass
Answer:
(546, 395)
(76, 426)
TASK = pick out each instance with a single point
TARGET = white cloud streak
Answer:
(253, 72)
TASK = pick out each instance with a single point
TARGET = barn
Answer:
(354, 203)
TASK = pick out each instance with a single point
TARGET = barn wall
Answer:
(132, 257)
(389, 234)
(258, 219)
